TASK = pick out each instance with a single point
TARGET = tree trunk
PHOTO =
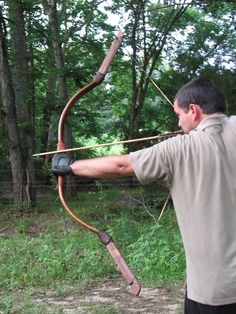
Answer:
(10, 120)
(51, 10)
(149, 53)
(25, 106)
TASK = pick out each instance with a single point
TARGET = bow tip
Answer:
(135, 287)
(120, 34)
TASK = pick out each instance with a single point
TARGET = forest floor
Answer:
(109, 296)
(112, 296)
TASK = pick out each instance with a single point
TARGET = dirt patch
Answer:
(113, 297)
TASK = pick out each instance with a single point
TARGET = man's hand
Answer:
(61, 164)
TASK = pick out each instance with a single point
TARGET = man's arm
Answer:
(107, 167)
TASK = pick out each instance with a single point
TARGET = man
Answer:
(199, 169)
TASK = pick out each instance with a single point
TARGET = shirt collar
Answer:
(212, 120)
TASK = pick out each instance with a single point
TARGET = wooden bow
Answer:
(105, 238)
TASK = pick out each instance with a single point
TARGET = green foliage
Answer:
(45, 260)
(154, 250)
(47, 251)
(53, 256)
(201, 42)
(165, 259)
(22, 225)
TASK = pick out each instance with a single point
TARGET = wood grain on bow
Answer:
(105, 238)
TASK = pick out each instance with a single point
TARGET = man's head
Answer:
(196, 100)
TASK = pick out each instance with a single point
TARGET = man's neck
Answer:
(211, 115)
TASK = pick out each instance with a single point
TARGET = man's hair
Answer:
(201, 92)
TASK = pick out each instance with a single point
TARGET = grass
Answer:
(47, 250)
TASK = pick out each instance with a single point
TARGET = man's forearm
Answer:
(104, 167)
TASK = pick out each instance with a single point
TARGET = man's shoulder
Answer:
(232, 119)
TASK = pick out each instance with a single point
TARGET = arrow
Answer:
(156, 137)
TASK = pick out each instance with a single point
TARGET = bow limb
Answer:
(105, 238)
(98, 78)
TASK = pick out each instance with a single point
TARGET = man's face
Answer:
(187, 120)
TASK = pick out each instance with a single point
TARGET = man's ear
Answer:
(195, 111)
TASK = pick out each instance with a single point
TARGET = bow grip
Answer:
(121, 263)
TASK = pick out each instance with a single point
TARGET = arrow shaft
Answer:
(156, 137)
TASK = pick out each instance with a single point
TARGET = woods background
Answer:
(50, 49)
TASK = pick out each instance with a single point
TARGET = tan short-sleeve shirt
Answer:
(200, 170)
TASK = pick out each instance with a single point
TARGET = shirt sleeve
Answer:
(153, 164)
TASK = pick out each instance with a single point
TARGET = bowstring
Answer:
(139, 66)
(122, 21)
(156, 226)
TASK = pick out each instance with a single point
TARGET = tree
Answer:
(23, 87)
(171, 43)
(148, 28)
(205, 48)
(10, 118)
(52, 48)
(51, 9)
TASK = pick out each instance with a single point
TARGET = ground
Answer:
(112, 296)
